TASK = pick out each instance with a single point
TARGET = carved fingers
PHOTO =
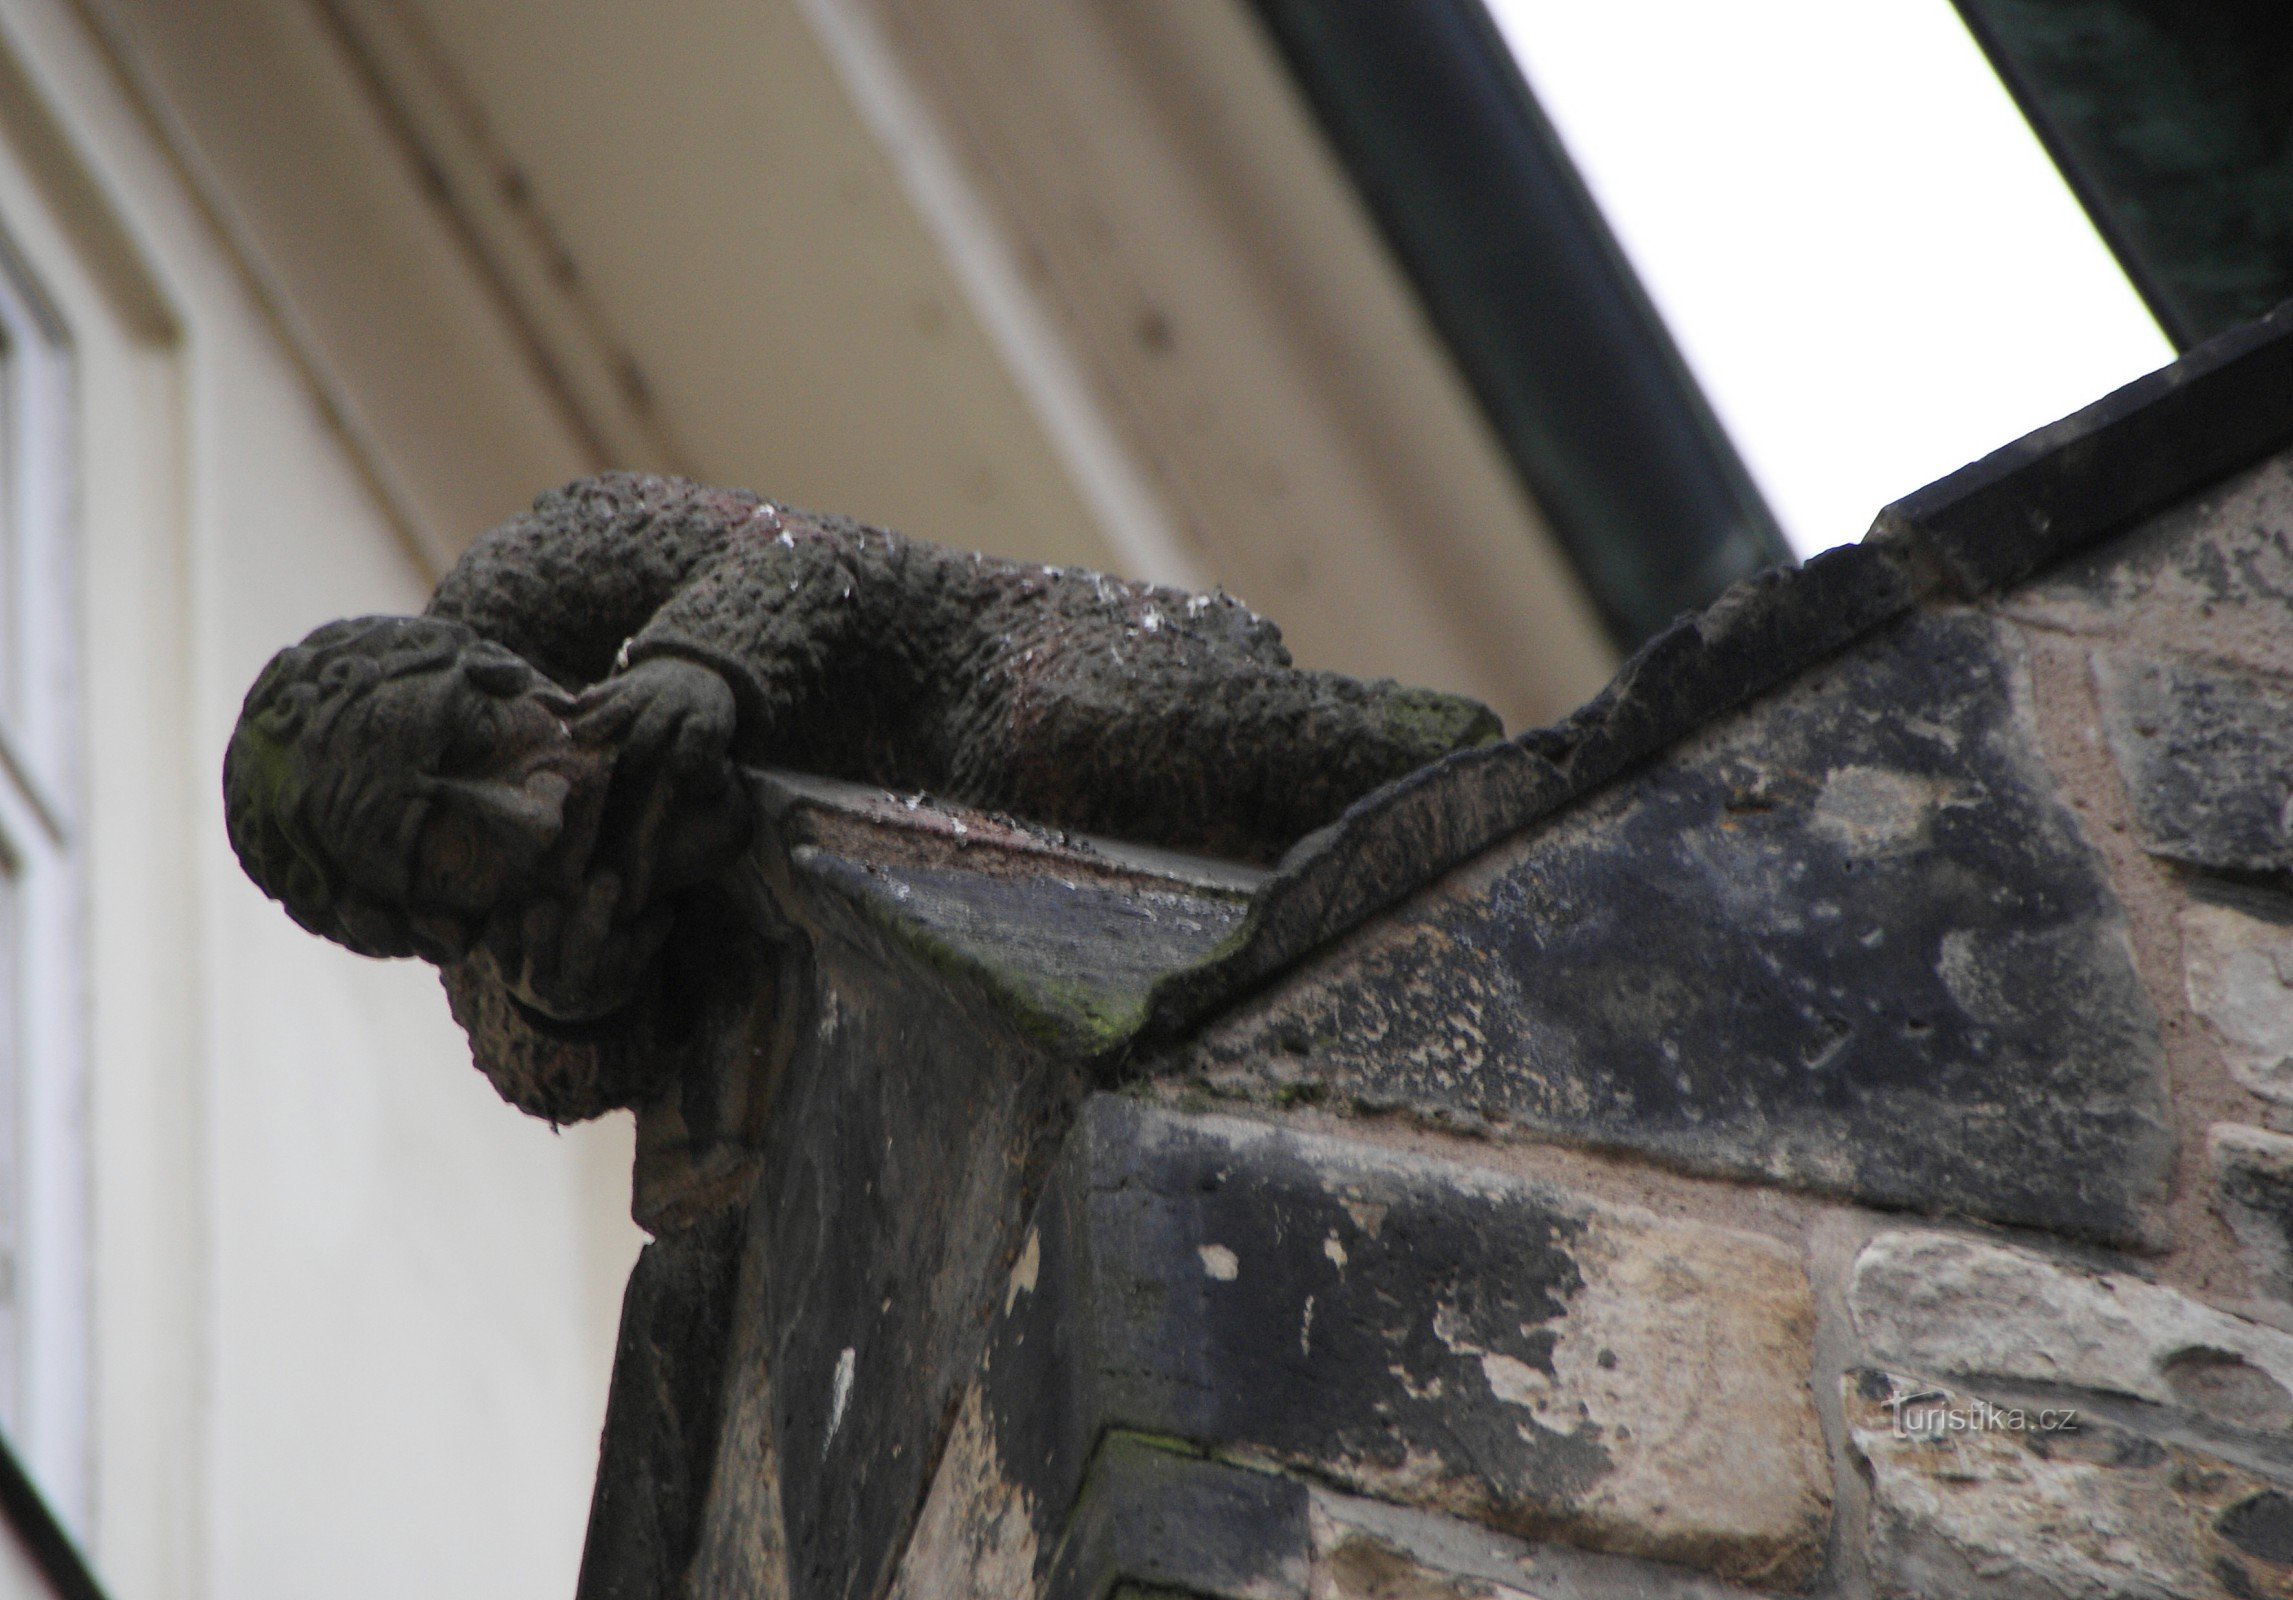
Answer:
(580, 950)
(664, 714)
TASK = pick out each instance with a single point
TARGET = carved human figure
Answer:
(520, 784)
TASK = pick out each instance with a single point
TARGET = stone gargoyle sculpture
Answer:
(525, 784)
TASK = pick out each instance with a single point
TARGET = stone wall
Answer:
(1818, 1122)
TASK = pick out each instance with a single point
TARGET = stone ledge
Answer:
(1759, 635)
(2160, 439)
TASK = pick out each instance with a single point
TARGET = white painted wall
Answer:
(407, 1373)
(352, 1315)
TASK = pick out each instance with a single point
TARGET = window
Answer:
(43, 1135)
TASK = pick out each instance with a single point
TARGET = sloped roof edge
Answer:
(2045, 497)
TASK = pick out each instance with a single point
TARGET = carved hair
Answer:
(302, 776)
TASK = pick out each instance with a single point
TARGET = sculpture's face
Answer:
(486, 765)
(491, 799)
(401, 784)
(407, 788)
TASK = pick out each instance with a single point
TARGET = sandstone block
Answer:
(2253, 1192)
(1849, 939)
(2206, 752)
(1945, 1305)
(2087, 1512)
(2238, 968)
(1416, 1331)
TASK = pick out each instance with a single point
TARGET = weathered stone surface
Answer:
(742, 1549)
(1372, 1550)
(2237, 960)
(2252, 1173)
(2216, 568)
(1352, 1563)
(897, 1119)
(1420, 1331)
(661, 1424)
(976, 1536)
(1163, 1518)
(2090, 1512)
(1759, 634)
(1149, 1513)
(906, 1128)
(893, 1176)
(2207, 756)
(1064, 934)
(1848, 939)
(1074, 959)
(1944, 1305)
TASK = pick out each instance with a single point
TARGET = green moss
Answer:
(1168, 1443)
(1195, 1100)
(1427, 720)
(1174, 1444)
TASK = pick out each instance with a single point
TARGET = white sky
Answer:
(1868, 260)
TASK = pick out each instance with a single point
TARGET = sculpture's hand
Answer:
(677, 813)
(665, 716)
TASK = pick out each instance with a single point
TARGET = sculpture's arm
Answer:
(567, 583)
(1073, 698)
(1235, 758)
(787, 617)
(607, 574)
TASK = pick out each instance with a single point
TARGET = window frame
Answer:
(45, 1315)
